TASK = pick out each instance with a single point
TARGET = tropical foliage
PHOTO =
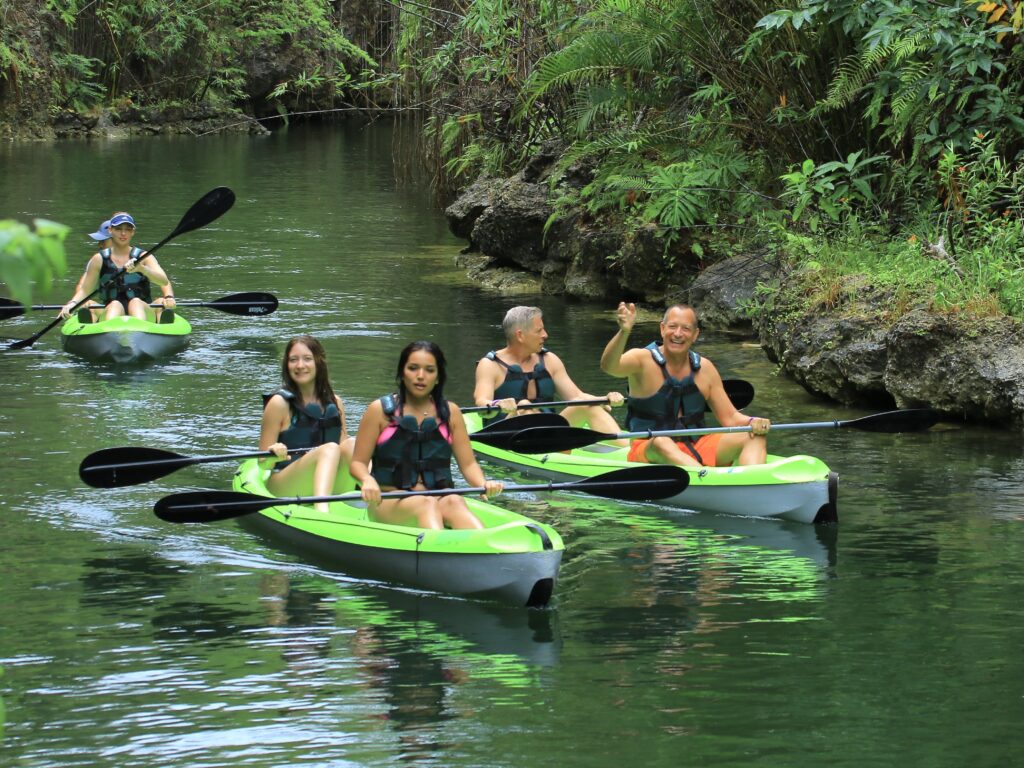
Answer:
(901, 123)
(118, 53)
(710, 124)
(30, 260)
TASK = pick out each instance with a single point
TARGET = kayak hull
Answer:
(796, 488)
(514, 560)
(125, 340)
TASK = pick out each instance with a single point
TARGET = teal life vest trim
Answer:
(413, 453)
(517, 384)
(678, 403)
(310, 425)
(126, 286)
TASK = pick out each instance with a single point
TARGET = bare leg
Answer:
(343, 481)
(455, 512)
(140, 309)
(417, 511)
(665, 450)
(93, 308)
(114, 309)
(315, 471)
(742, 449)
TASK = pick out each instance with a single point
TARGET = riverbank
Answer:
(859, 347)
(193, 120)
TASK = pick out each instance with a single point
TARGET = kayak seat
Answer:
(166, 316)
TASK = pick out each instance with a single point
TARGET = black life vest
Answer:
(678, 403)
(310, 425)
(517, 383)
(127, 285)
(412, 452)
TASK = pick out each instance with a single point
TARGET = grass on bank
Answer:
(962, 252)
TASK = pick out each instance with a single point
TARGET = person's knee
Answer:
(330, 450)
(663, 445)
(430, 516)
(348, 447)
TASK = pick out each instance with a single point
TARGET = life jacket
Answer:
(310, 425)
(678, 404)
(126, 286)
(517, 383)
(407, 451)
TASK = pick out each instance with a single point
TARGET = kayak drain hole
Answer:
(541, 593)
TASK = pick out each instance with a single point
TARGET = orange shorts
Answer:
(707, 447)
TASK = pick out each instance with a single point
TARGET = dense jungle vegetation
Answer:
(850, 136)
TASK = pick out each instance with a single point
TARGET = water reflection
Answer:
(127, 580)
(414, 651)
(402, 616)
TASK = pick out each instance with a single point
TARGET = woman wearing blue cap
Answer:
(129, 292)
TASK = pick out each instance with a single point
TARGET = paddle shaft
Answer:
(545, 439)
(214, 304)
(643, 483)
(552, 404)
(740, 392)
(868, 423)
(10, 308)
(469, 491)
(187, 461)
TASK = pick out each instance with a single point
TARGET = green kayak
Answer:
(512, 560)
(124, 340)
(797, 488)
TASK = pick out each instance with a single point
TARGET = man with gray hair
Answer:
(523, 372)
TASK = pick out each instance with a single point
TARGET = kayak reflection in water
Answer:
(305, 413)
(411, 437)
(670, 386)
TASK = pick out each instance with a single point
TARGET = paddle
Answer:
(208, 208)
(740, 392)
(501, 432)
(646, 483)
(117, 467)
(235, 304)
(548, 439)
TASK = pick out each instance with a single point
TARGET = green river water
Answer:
(892, 639)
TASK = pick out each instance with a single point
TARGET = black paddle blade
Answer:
(551, 439)
(118, 467)
(10, 308)
(247, 304)
(908, 420)
(22, 343)
(643, 483)
(210, 506)
(740, 392)
(210, 207)
(500, 433)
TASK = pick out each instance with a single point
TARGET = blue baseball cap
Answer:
(122, 218)
(103, 233)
